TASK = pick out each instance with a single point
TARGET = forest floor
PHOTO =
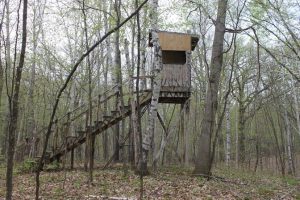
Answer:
(168, 183)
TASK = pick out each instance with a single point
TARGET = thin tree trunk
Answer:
(297, 111)
(7, 69)
(118, 81)
(31, 127)
(257, 144)
(228, 137)
(107, 64)
(241, 130)
(148, 136)
(2, 137)
(137, 88)
(236, 140)
(133, 151)
(143, 50)
(288, 136)
(13, 121)
(288, 142)
(90, 138)
(274, 131)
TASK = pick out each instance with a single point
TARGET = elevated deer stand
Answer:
(176, 74)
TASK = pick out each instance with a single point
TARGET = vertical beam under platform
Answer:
(182, 133)
(186, 133)
(72, 159)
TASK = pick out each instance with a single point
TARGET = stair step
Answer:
(114, 112)
(107, 118)
(98, 124)
(126, 107)
(71, 139)
(80, 131)
(90, 127)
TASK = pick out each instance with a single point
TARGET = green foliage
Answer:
(297, 196)
(258, 8)
(2, 191)
(78, 184)
(291, 181)
(58, 191)
(2, 160)
(265, 191)
(52, 166)
(29, 165)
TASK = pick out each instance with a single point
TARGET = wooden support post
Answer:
(72, 159)
(186, 134)
(182, 133)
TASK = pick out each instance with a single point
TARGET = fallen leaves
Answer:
(114, 185)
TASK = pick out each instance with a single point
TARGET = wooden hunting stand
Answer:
(176, 71)
(175, 89)
(176, 77)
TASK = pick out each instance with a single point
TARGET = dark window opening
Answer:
(173, 57)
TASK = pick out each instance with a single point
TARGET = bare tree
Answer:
(13, 120)
(202, 162)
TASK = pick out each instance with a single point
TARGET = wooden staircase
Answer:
(63, 126)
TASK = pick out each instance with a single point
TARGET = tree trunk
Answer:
(31, 130)
(8, 66)
(13, 120)
(143, 50)
(202, 161)
(228, 137)
(2, 137)
(90, 138)
(118, 81)
(107, 64)
(148, 136)
(288, 143)
(241, 130)
(297, 111)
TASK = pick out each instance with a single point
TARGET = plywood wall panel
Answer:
(176, 77)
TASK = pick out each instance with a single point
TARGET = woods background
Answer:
(259, 84)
